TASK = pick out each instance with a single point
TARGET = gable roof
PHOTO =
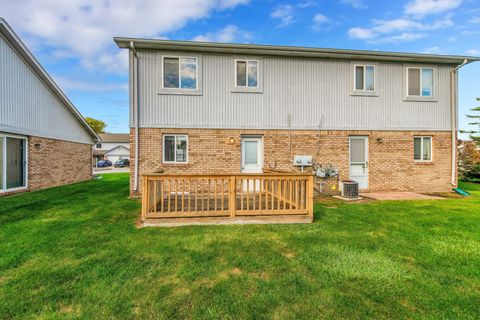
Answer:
(117, 148)
(289, 51)
(115, 137)
(12, 38)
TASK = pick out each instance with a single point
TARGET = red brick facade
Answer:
(55, 162)
(391, 164)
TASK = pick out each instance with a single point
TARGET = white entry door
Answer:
(359, 161)
(252, 155)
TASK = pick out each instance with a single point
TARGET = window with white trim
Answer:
(180, 73)
(246, 73)
(420, 82)
(422, 148)
(175, 148)
(13, 162)
(364, 77)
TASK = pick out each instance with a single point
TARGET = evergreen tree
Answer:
(475, 122)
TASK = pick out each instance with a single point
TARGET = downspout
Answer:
(135, 112)
(453, 115)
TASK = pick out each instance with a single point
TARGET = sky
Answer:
(73, 39)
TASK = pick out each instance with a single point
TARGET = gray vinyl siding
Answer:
(315, 93)
(28, 107)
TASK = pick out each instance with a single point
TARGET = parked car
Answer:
(104, 163)
(122, 163)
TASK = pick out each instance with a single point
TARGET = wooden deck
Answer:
(236, 198)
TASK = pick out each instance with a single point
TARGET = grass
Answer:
(74, 252)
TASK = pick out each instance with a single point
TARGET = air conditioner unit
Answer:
(349, 189)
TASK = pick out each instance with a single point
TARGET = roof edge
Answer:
(30, 59)
(290, 51)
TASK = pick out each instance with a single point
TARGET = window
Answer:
(422, 148)
(420, 82)
(246, 73)
(364, 78)
(180, 73)
(98, 145)
(13, 163)
(175, 148)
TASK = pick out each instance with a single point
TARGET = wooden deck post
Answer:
(309, 195)
(232, 197)
(145, 192)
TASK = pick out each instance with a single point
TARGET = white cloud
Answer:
(307, 4)
(361, 33)
(320, 20)
(403, 37)
(475, 20)
(470, 32)
(70, 84)
(426, 7)
(473, 52)
(230, 33)
(433, 50)
(406, 29)
(84, 28)
(356, 4)
(285, 14)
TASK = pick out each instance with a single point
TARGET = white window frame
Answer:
(421, 148)
(3, 188)
(246, 74)
(175, 153)
(364, 77)
(179, 73)
(421, 80)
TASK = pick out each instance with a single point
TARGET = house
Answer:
(386, 120)
(113, 147)
(44, 140)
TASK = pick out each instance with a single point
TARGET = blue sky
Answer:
(73, 39)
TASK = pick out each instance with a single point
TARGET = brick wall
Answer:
(391, 164)
(57, 162)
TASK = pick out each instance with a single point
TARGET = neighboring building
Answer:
(44, 141)
(387, 120)
(113, 147)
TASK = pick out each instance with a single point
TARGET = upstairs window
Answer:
(246, 72)
(364, 78)
(422, 148)
(420, 82)
(180, 73)
(175, 148)
(98, 145)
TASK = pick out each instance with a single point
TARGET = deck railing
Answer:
(226, 195)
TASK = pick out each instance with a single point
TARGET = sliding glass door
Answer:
(13, 163)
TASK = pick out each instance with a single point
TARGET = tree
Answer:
(476, 122)
(97, 125)
(469, 161)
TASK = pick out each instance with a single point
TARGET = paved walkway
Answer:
(110, 170)
(398, 196)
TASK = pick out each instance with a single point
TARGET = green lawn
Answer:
(74, 252)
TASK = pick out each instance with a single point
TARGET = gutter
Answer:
(135, 112)
(453, 115)
(288, 51)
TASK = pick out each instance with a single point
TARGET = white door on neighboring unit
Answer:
(359, 161)
(252, 155)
